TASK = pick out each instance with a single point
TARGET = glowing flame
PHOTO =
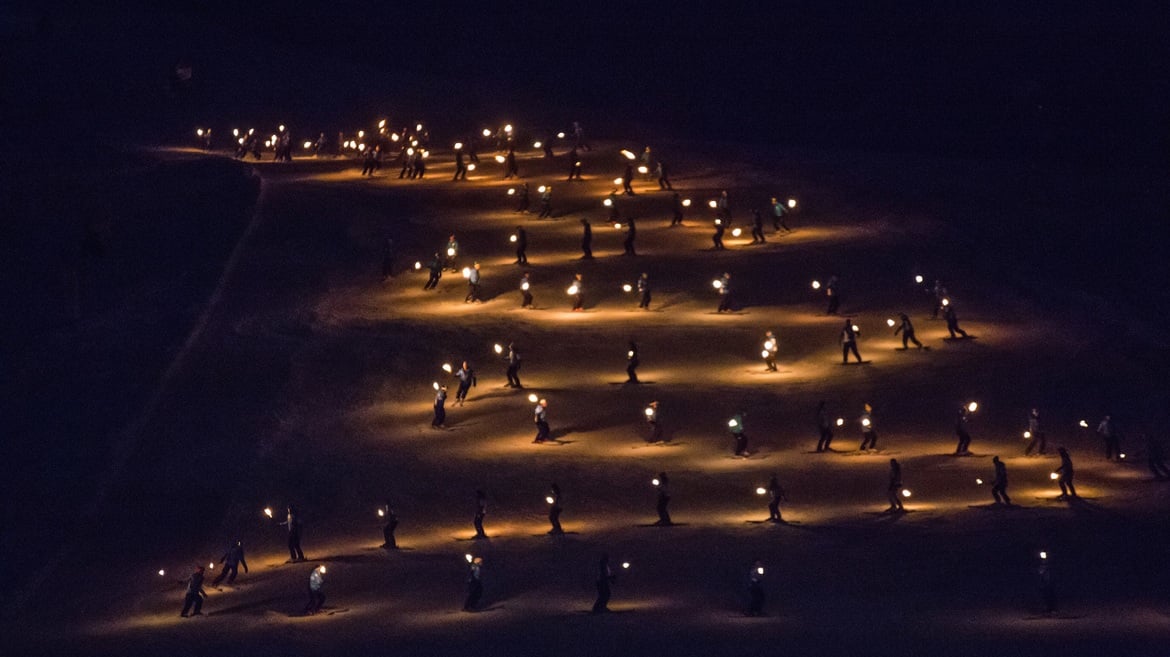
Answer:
(643, 170)
(1043, 555)
(573, 289)
(508, 128)
(946, 302)
(394, 137)
(468, 557)
(486, 132)
(765, 353)
(626, 565)
(736, 232)
(972, 407)
(792, 203)
(211, 565)
(686, 202)
(1121, 455)
(235, 132)
(769, 345)
(549, 499)
(382, 123)
(381, 513)
(816, 285)
(617, 226)
(1027, 435)
(533, 398)
(978, 481)
(627, 288)
(856, 329)
(761, 491)
(537, 144)
(905, 492)
(628, 155)
(760, 571)
(435, 385)
(890, 323)
(466, 272)
(717, 284)
(417, 264)
(617, 181)
(1084, 425)
(497, 348)
(655, 481)
(451, 251)
(280, 128)
(712, 204)
(732, 423)
(268, 512)
(524, 286)
(418, 127)
(458, 145)
(501, 159)
(629, 354)
(199, 131)
(361, 147)
(608, 203)
(1053, 476)
(308, 145)
(840, 421)
(865, 422)
(361, 134)
(649, 412)
(161, 573)
(918, 278)
(511, 191)
(541, 189)
(512, 238)
(447, 367)
(560, 135)
(471, 167)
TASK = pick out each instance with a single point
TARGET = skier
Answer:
(195, 593)
(231, 560)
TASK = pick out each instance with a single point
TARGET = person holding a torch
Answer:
(737, 432)
(554, 510)
(391, 518)
(952, 320)
(540, 419)
(776, 495)
(907, 330)
(663, 179)
(440, 418)
(724, 287)
(652, 420)
(1064, 476)
(849, 342)
(525, 291)
(473, 290)
(522, 198)
(293, 523)
(644, 290)
(231, 560)
(833, 294)
(894, 489)
(961, 422)
(824, 428)
(627, 179)
(1038, 440)
(545, 202)
(662, 483)
(452, 251)
(756, 595)
(779, 211)
(632, 363)
(435, 267)
(577, 291)
(574, 166)
(316, 590)
(677, 206)
(467, 380)
(514, 360)
(769, 352)
(474, 583)
(868, 430)
(521, 246)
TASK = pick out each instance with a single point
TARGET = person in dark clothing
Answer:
(514, 361)
(849, 342)
(737, 432)
(627, 178)
(952, 321)
(460, 167)
(757, 227)
(231, 560)
(724, 293)
(661, 482)
(467, 380)
(756, 595)
(1046, 585)
(663, 179)
(577, 291)
(554, 510)
(521, 246)
(574, 165)
(604, 578)
(824, 428)
(293, 522)
(964, 444)
(525, 291)
(540, 419)
(440, 411)
(775, 496)
(631, 233)
(1107, 430)
(522, 201)
(391, 518)
(632, 363)
(480, 512)
(895, 488)
(652, 420)
(474, 585)
(1035, 434)
(677, 207)
(1065, 476)
(999, 483)
(510, 168)
(545, 201)
(388, 252)
(316, 590)
(436, 272)
(833, 294)
(717, 238)
(941, 300)
(644, 290)
(907, 330)
(611, 202)
(369, 162)
(195, 593)
(586, 240)
(1155, 458)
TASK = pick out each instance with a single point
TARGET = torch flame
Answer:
(511, 191)
(447, 367)
(792, 203)
(655, 481)
(760, 490)
(712, 204)
(736, 232)
(890, 323)
(549, 499)
(533, 398)
(918, 278)
(500, 159)
(972, 407)
(627, 288)
(628, 155)
(649, 412)
(816, 285)
(840, 421)
(686, 202)
(1053, 476)
(905, 492)
(268, 512)
(497, 348)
